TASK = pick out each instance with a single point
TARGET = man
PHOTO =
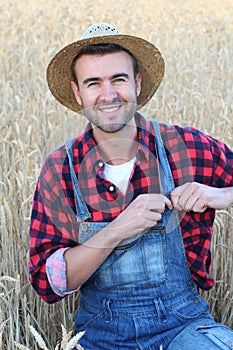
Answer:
(116, 209)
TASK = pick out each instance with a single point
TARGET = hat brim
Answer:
(150, 62)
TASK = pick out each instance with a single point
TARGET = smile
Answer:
(110, 109)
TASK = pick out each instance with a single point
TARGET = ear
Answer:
(138, 82)
(75, 89)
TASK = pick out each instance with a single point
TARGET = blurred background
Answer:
(196, 41)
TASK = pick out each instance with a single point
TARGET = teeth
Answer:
(109, 110)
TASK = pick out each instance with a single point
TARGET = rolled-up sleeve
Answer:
(56, 273)
(53, 224)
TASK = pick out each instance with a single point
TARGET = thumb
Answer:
(174, 196)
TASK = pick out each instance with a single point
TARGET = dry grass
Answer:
(197, 43)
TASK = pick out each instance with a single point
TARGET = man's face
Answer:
(107, 89)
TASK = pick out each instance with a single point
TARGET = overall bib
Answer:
(143, 296)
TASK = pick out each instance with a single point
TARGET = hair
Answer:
(102, 49)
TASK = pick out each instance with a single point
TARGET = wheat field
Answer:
(196, 40)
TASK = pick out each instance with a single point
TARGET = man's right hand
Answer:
(142, 213)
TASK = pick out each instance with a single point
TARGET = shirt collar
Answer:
(90, 151)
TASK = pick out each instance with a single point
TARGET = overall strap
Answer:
(81, 208)
(166, 179)
(165, 174)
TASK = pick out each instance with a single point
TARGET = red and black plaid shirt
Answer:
(192, 155)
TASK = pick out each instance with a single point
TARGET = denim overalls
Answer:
(143, 296)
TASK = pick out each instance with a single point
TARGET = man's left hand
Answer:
(196, 197)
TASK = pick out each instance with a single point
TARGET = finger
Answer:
(200, 206)
(176, 200)
(190, 202)
(182, 197)
(160, 205)
(176, 194)
(152, 216)
(168, 203)
(195, 201)
(154, 202)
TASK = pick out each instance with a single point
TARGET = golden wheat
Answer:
(197, 44)
(67, 343)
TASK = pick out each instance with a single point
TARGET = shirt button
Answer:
(100, 164)
(196, 300)
(111, 188)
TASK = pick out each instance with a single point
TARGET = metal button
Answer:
(84, 227)
(192, 287)
(196, 300)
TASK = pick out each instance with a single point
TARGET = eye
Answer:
(120, 80)
(93, 84)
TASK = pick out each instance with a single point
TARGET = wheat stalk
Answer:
(197, 90)
(20, 346)
(38, 338)
(73, 342)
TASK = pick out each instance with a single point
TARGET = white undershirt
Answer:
(119, 174)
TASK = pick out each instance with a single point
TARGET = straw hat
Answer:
(150, 61)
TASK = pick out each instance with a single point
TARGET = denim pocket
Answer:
(219, 334)
(143, 264)
(86, 316)
(190, 308)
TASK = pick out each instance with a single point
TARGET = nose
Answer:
(108, 92)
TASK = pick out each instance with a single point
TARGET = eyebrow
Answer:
(89, 80)
(119, 75)
(115, 76)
